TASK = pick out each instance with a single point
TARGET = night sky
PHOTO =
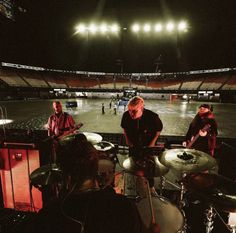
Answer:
(43, 35)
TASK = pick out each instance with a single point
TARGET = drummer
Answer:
(86, 207)
(142, 128)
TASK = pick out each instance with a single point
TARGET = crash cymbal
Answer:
(215, 189)
(94, 138)
(104, 146)
(187, 160)
(45, 175)
(145, 167)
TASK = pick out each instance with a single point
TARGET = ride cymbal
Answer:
(187, 160)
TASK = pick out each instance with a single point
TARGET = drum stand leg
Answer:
(209, 223)
(182, 192)
(162, 184)
(182, 203)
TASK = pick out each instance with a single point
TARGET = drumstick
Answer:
(150, 201)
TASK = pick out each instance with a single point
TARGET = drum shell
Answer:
(167, 216)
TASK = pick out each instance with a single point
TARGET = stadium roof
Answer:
(43, 34)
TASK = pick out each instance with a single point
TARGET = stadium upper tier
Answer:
(44, 79)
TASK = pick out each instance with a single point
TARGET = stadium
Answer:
(93, 58)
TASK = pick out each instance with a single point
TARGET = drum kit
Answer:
(217, 191)
(195, 167)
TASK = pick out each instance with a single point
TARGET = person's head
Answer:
(57, 106)
(79, 159)
(204, 109)
(135, 107)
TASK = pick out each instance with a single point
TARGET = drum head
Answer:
(167, 215)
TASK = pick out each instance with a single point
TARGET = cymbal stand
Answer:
(162, 184)
(182, 202)
(182, 192)
(209, 223)
(231, 226)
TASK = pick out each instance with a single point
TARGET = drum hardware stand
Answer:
(162, 184)
(209, 223)
(182, 202)
(182, 192)
(210, 215)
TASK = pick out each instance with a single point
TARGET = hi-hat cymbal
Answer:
(45, 175)
(187, 160)
(94, 138)
(145, 167)
(104, 146)
(215, 189)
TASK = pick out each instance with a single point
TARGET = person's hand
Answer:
(202, 133)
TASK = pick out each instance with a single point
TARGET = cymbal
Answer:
(215, 189)
(187, 160)
(45, 175)
(94, 138)
(147, 166)
(104, 146)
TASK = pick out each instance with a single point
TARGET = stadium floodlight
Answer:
(114, 28)
(158, 27)
(103, 28)
(182, 26)
(92, 28)
(147, 27)
(136, 27)
(170, 26)
(81, 28)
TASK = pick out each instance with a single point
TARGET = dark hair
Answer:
(78, 158)
(205, 106)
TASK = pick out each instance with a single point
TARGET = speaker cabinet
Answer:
(15, 167)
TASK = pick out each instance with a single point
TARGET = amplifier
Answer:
(15, 167)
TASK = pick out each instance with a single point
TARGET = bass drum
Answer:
(167, 216)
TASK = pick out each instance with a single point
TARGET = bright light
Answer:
(80, 28)
(147, 27)
(5, 121)
(135, 28)
(114, 28)
(158, 27)
(103, 28)
(92, 28)
(170, 27)
(182, 26)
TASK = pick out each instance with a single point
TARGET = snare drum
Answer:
(167, 216)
